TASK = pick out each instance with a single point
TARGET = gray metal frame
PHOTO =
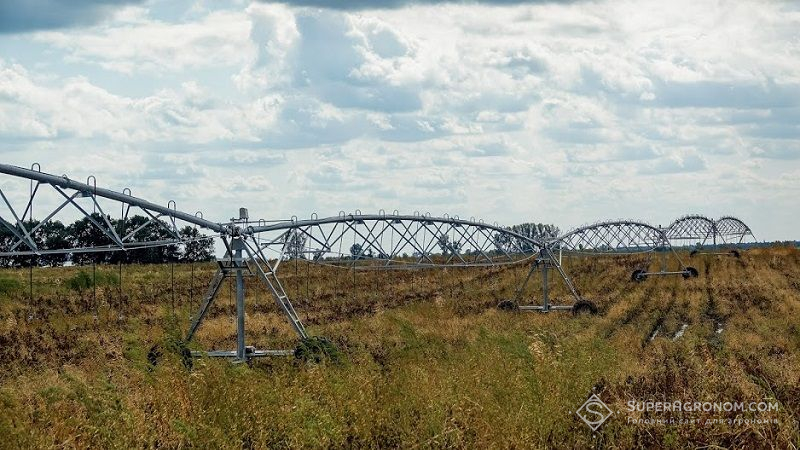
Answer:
(396, 241)
(72, 193)
(692, 227)
(384, 241)
(699, 231)
(615, 237)
(732, 230)
(356, 241)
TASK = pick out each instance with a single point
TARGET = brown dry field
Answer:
(428, 359)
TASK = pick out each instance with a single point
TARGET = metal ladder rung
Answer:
(277, 291)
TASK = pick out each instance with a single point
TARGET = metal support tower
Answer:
(237, 246)
(545, 262)
(245, 259)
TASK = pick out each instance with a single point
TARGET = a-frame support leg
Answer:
(208, 299)
(545, 261)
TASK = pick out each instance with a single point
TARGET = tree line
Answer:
(535, 231)
(55, 235)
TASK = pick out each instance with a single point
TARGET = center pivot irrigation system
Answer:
(358, 241)
(723, 234)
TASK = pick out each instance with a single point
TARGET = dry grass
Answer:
(429, 361)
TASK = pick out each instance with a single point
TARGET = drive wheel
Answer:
(508, 305)
(638, 275)
(584, 307)
(154, 356)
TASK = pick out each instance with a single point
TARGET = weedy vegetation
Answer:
(422, 359)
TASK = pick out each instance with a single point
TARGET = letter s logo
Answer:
(594, 412)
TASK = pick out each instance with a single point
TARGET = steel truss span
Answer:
(382, 240)
(395, 241)
(694, 228)
(109, 216)
(619, 236)
(731, 230)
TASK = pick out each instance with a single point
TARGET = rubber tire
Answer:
(156, 353)
(736, 253)
(638, 275)
(187, 358)
(508, 305)
(584, 306)
(691, 272)
(154, 356)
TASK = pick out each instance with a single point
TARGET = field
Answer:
(427, 359)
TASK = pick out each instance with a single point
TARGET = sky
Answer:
(509, 111)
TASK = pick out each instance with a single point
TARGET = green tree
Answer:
(295, 245)
(447, 246)
(53, 236)
(357, 251)
(196, 248)
(535, 231)
(84, 234)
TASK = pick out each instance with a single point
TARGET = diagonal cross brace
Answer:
(208, 299)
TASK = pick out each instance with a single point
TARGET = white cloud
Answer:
(79, 109)
(273, 34)
(136, 43)
(685, 161)
(557, 112)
